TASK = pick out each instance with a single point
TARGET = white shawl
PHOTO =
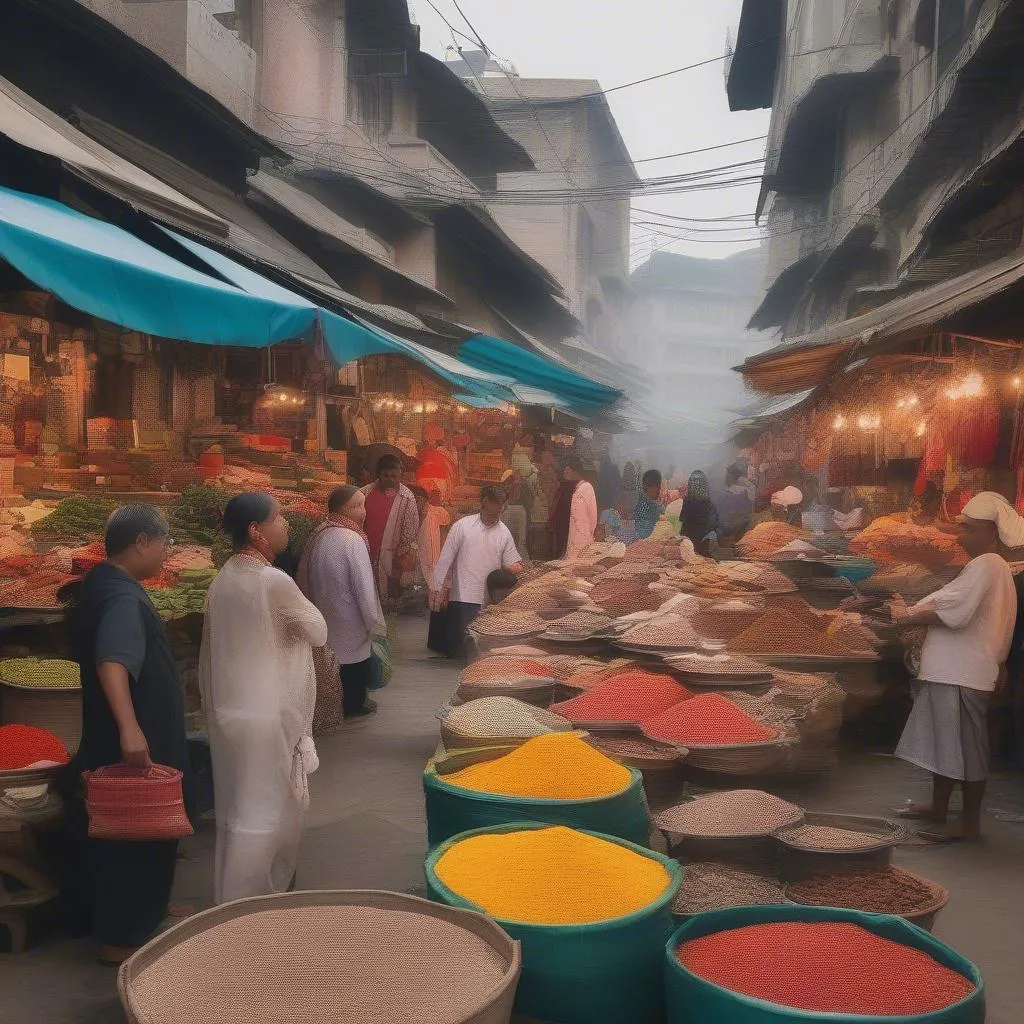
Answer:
(259, 691)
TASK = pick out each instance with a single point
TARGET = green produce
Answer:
(44, 673)
(76, 518)
(196, 513)
(187, 598)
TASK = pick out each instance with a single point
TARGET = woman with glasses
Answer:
(132, 712)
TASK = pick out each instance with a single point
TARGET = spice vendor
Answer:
(970, 626)
(476, 547)
(133, 712)
(582, 509)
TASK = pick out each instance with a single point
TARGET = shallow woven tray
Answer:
(889, 833)
(307, 977)
(739, 758)
(540, 696)
(639, 752)
(735, 667)
(58, 711)
(668, 822)
(923, 916)
(29, 777)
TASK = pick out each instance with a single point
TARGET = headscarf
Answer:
(994, 508)
(788, 496)
(698, 516)
(698, 486)
(630, 478)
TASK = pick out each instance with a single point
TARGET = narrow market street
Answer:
(367, 830)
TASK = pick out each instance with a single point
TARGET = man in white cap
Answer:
(785, 505)
(970, 625)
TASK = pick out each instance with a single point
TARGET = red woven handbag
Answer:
(134, 804)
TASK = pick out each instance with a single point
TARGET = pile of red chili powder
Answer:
(22, 745)
(628, 697)
(708, 719)
(828, 967)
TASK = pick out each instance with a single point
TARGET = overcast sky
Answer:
(622, 42)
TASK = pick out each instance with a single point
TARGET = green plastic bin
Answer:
(452, 810)
(693, 1000)
(609, 972)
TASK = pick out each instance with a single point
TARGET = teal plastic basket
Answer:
(694, 1000)
(609, 972)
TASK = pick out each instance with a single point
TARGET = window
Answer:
(370, 100)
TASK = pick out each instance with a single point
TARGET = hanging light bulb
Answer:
(839, 423)
(912, 401)
(1016, 383)
(973, 386)
(921, 429)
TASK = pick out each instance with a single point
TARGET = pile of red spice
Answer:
(22, 745)
(709, 719)
(826, 967)
(628, 697)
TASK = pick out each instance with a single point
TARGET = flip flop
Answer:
(913, 814)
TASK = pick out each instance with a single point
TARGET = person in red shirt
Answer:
(392, 526)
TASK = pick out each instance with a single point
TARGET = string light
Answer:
(972, 386)
(839, 423)
(921, 429)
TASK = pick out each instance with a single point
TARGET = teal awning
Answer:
(103, 270)
(576, 392)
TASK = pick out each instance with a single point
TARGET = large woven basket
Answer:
(55, 710)
(300, 967)
(738, 758)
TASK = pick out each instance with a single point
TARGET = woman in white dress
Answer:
(259, 691)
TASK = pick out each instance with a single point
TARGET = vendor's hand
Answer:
(898, 610)
(439, 600)
(135, 749)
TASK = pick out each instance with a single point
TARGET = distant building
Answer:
(688, 329)
(568, 129)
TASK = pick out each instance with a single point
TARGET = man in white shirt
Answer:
(476, 546)
(970, 625)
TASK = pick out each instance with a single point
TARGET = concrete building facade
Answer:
(574, 142)
(892, 154)
(391, 154)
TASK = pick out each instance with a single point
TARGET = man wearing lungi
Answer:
(970, 626)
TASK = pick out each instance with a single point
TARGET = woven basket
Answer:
(29, 776)
(55, 710)
(739, 758)
(130, 804)
(923, 916)
(539, 696)
(303, 969)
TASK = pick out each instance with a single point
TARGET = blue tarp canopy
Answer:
(578, 393)
(103, 270)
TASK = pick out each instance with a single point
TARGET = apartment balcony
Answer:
(422, 158)
(186, 35)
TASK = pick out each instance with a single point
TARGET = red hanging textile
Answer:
(975, 434)
(1017, 441)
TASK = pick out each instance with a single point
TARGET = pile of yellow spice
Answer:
(552, 876)
(559, 766)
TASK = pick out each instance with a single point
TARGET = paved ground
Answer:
(366, 830)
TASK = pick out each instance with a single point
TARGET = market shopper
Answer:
(582, 509)
(259, 691)
(392, 526)
(336, 575)
(476, 547)
(970, 625)
(648, 509)
(133, 713)
(699, 518)
(434, 522)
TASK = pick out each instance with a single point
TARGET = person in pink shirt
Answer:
(392, 526)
